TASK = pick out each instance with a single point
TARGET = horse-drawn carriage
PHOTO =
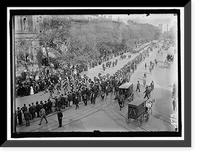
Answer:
(126, 90)
(137, 111)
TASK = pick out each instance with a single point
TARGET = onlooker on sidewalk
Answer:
(30, 109)
(33, 108)
(37, 109)
(19, 115)
(76, 101)
(43, 115)
(60, 115)
(27, 117)
(24, 108)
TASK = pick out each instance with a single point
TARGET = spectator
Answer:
(27, 117)
(37, 109)
(33, 113)
(19, 115)
(49, 106)
(76, 102)
(24, 108)
(30, 110)
(60, 116)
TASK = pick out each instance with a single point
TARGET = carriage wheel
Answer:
(127, 118)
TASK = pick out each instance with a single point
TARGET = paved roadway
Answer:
(105, 115)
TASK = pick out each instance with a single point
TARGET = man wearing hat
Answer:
(19, 115)
(37, 109)
(60, 116)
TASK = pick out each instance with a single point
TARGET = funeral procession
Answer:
(80, 73)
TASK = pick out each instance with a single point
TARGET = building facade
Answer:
(26, 28)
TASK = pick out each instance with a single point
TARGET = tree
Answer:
(73, 41)
(53, 33)
(22, 52)
(39, 57)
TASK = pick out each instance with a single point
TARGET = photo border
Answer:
(133, 143)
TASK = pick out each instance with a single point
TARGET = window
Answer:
(24, 23)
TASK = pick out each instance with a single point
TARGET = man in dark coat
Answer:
(33, 109)
(30, 109)
(62, 99)
(76, 101)
(103, 66)
(24, 108)
(70, 99)
(19, 115)
(147, 92)
(60, 116)
(37, 109)
(84, 96)
(27, 117)
(49, 103)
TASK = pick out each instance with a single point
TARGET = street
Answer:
(106, 115)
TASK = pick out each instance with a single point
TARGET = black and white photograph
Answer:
(96, 73)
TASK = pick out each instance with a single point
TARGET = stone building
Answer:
(26, 27)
